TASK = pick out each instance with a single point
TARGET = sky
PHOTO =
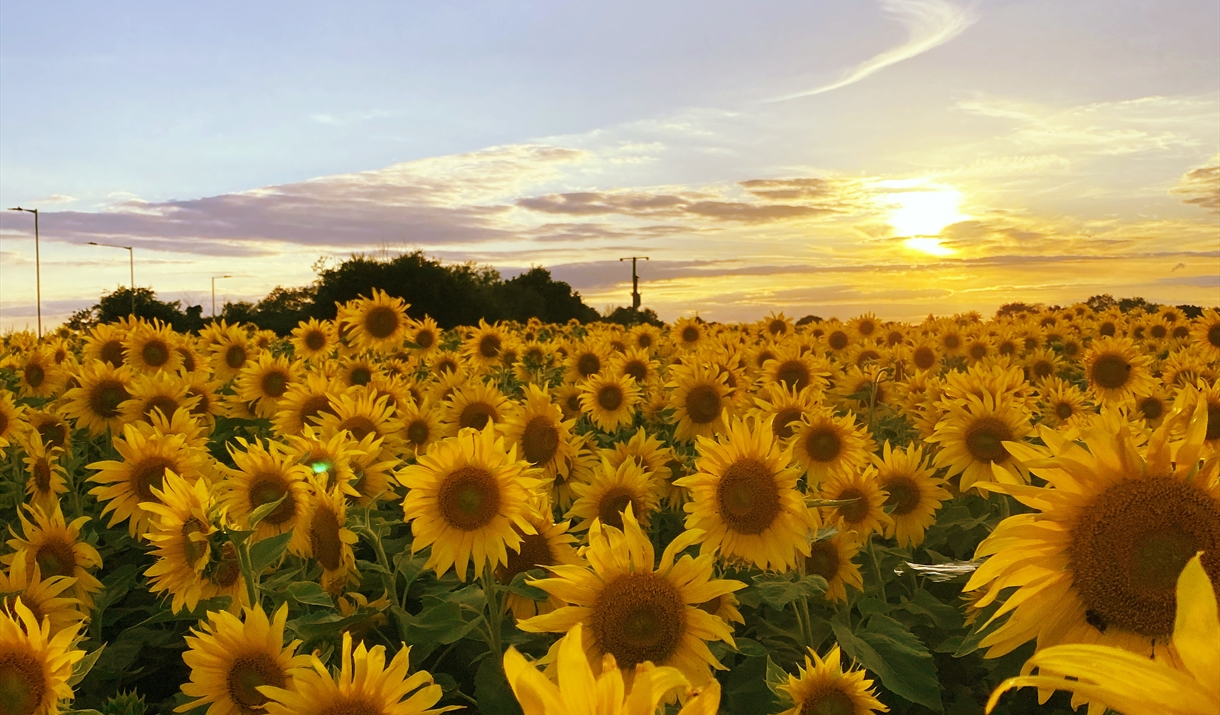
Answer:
(900, 157)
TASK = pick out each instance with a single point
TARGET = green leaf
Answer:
(776, 676)
(750, 648)
(263, 510)
(84, 665)
(268, 551)
(941, 614)
(521, 588)
(491, 689)
(746, 691)
(902, 662)
(778, 590)
(310, 594)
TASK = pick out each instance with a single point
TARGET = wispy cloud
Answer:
(1201, 186)
(929, 24)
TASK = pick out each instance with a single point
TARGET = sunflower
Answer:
(541, 434)
(1205, 333)
(313, 340)
(265, 474)
(230, 352)
(1062, 404)
(484, 345)
(925, 356)
(536, 360)
(794, 369)
(365, 686)
(974, 434)
(35, 666)
(378, 323)
(105, 343)
(94, 404)
(549, 545)
(915, 493)
(862, 390)
(324, 536)
(425, 335)
(181, 422)
(1117, 679)
(578, 685)
(585, 360)
(231, 660)
(837, 338)
(125, 484)
(825, 445)
(265, 381)
(1149, 410)
(688, 333)
(306, 402)
(475, 405)
(609, 402)
(1117, 523)
(157, 392)
(783, 409)
(328, 459)
(422, 427)
(636, 364)
(822, 687)
(643, 449)
(55, 547)
(832, 557)
(12, 424)
(635, 612)
(150, 347)
(1208, 395)
(744, 499)
(610, 490)
(38, 375)
(48, 478)
(1115, 369)
(47, 597)
(362, 414)
(464, 498)
(358, 370)
(371, 473)
(207, 403)
(866, 511)
(645, 337)
(699, 400)
(1184, 367)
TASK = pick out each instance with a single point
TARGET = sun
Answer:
(920, 212)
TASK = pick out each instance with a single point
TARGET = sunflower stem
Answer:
(493, 613)
(389, 578)
(872, 555)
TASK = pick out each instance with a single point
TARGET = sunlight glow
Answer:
(930, 246)
(924, 213)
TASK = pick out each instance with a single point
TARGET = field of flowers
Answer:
(379, 517)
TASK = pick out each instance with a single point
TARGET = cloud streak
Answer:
(929, 24)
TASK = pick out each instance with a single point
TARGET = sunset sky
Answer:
(904, 157)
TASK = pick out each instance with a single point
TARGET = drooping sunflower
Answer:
(475, 405)
(48, 478)
(865, 511)
(55, 546)
(542, 436)
(94, 404)
(125, 484)
(744, 499)
(826, 445)
(699, 400)
(974, 434)
(468, 498)
(833, 558)
(1115, 369)
(35, 662)
(823, 687)
(265, 474)
(232, 659)
(150, 347)
(608, 401)
(610, 490)
(378, 323)
(313, 340)
(634, 611)
(1117, 523)
(365, 686)
(48, 598)
(915, 493)
(324, 536)
(265, 381)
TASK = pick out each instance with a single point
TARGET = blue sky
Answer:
(924, 155)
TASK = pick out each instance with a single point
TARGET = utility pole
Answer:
(635, 281)
(37, 266)
(131, 259)
(214, 293)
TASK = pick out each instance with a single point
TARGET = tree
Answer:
(1127, 305)
(631, 316)
(1017, 308)
(1101, 303)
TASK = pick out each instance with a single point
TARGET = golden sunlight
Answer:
(924, 212)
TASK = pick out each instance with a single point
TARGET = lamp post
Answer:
(131, 254)
(214, 293)
(37, 266)
(635, 281)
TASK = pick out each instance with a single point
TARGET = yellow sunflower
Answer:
(125, 484)
(55, 546)
(915, 493)
(468, 498)
(687, 333)
(328, 459)
(48, 598)
(94, 403)
(833, 558)
(265, 381)
(585, 360)
(541, 434)
(35, 662)
(645, 337)
(358, 370)
(1115, 369)
(265, 474)
(425, 335)
(231, 660)
(1205, 333)
(105, 343)
(305, 403)
(48, 478)
(783, 409)
(422, 427)
(609, 402)
(38, 375)
(549, 545)
(323, 535)
(157, 392)
(230, 352)
(643, 449)
(1097, 562)
(313, 340)
(610, 490)
(365, 686)
(744, 499)
(475, 405)
(866, 511)
(378, 323)
(1062, 404)
(371, 474)
(826, 445)
(637, 364)
(974, 434)
(699, 399)
(150, 347)
(634, 611)
(823, 687)
(794, 369)
(363, 414)
(12, 424)
(484, 346)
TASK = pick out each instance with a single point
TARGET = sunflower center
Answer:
(105, 397)
(477, 415)
(639, 617)
(924, 358)
(534, 552)
(155, 353)
(1111, 371)
(247, 673)
(313, 406)
(867, 356)
(637, 370)
(235, 356)
(417, 432)
(228, 570)
(381, 322)
(360, 375)
(1159, 331)
(610, 397)
(539, 441)
(1130, 545)
(193, 548)
(54, 433)
(828, 701)
(1213, 335)
(838, 340)
(1213, 422)
(112, 352)
(163, 403)
(3, 422)
(149, 473)
(614, 502)
(275, 384)
(315, 340)
(42, 476)
(777, 327)
(1063, 410)
(324, 538)
(359, 426)
(703, 404)
(425, 339)
(690, 334)
(747, 497)
(22, 683)
(793, 375)
(904, 494)
(269, 488)
(1151, 408)
(823, 559)
(35, 375)
(823, 444)
(469, 498)
(857, 510)
(782, 425)
(1043, 368)
(588, 364)
(978, 351)
(55, 558)
(985, 439)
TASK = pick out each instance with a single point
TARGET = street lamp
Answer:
(635, 281)
(131, 254)
(37, 265)
(214, 293)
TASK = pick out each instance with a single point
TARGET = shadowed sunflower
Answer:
(468, 498)
(55, 546)
(974, 434)
(1205, 333)
(823, 687)
(232, 659)
(609, 401)
(48, 598)
(744, 500)
(265, 474)
(330, 460)
(12, 424)
(313, 340)
(38, 375)
(123, 485)
(581, 691)
(323, 535)
(864, 513)
(378, 323)
(915, 493)
(831, 557)
(94, 404)
(366, 685)
(422, 427)
(475, 405)
(635, 612)
(699, 399)
(826, 445)
(542, 436)
(357, 370)
(230, 351)
(48, 478)
(1117, 523)
(306, 402)
(1115, 369)
(610, 490)
(265, 381)
(549, 545)
(35, 662)
(1208, 394)
(1062, 404)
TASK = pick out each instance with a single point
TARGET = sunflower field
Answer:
(375, 516)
